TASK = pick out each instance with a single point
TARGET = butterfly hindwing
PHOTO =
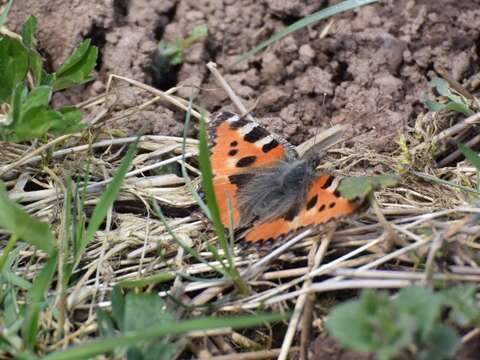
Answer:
(322, 204)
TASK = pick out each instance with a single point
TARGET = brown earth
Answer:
(369, 72)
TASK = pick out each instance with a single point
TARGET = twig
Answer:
(391, 239)
(254, 270)
(457, 153)
(434, 247)
(231, 94)
(179, 102)
(30, 155)
(447, 133)
(254, 355)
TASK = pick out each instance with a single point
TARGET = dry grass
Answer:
(424, 219)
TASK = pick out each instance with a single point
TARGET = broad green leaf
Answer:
(31, 116)
(421, 305)
(71, 121)
(36, 64)
(19, 95)
(14, 62)
(456, 102)
(359, 187)
(460, 108)
(28, 29)
(432, 105)
(46, 78)
(345, 324)
(471, 155)
(462, 299)
(118, 307)
(142, 311)
(77, 68)
(39, 97)
(307, 21)
(370, 324)
(100, 346)
(443, 88)
(70, 65)
(168, 54)
(17, 221)
(105, 323)
(442, 343)
(4, 14)
(35, 124)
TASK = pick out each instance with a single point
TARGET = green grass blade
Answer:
(161, 277)
(206, 169)
(106, 200)
(6, 250)
(188, 181)
(4, 15)
(94, 348)
(444, 182)
(308, 20)
(207, 176)
(14, 219)
(35, 297)
(471, 155)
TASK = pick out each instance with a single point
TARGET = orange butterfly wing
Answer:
(238, 145)
(322, 204)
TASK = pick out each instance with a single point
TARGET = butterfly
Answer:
(262, 184)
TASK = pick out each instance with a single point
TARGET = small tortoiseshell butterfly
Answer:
(259, 178)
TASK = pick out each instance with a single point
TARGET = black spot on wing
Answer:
(233, 152)
(312, 202)
(321, 208)
(233, 143)
(246, 161)
(240, 179)
(257, 133)
(328, 182)
(332, 205)
(337, 193)
(270, 146)
(292, 213)
(238, 124)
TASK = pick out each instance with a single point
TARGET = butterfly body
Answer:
(260, 182)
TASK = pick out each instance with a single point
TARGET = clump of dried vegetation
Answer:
(127, 266)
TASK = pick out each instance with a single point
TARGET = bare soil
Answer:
(369, 71)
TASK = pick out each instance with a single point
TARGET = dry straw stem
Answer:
(136, 245)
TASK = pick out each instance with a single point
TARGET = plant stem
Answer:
(11, 242)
